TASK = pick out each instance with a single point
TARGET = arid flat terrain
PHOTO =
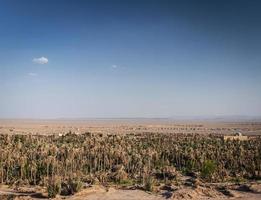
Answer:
(115, 126)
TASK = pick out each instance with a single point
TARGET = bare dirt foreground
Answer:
(97, 192)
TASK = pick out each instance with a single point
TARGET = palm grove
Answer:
(66, 162)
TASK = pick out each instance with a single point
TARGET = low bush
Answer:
(208, 169)
(54, 187)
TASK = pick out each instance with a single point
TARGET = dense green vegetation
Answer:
(124, 159)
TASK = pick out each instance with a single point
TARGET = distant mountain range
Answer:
(222, 118)
(214, 118)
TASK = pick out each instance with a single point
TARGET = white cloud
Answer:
(114, 66)
(41, 60)
(32, 74)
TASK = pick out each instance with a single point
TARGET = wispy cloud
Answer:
(114, 66)
(32, 74)
(42, 60)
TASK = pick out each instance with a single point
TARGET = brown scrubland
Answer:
(129, 160)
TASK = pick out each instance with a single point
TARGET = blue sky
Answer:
(129, 58)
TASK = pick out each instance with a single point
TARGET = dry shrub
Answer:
(54, 187)
(118, 174)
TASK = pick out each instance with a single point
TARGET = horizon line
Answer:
(175, 117)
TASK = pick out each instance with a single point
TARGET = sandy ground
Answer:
(113, 194)
(101, 193)
(126, 126)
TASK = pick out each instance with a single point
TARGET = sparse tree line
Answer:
(103, 158)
